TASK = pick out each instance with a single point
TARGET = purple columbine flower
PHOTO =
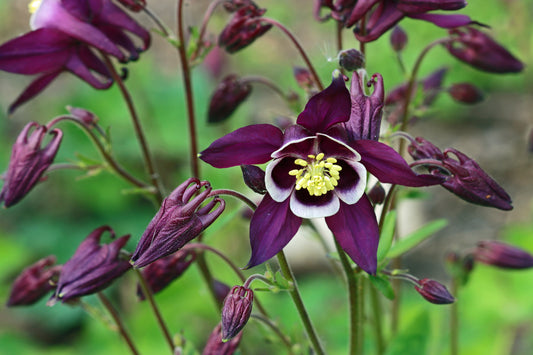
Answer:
(236, 311)
(180, 219)
(479, 50)
(464, 177)
(434, 292)
(318, 168)
(502, 255)
(29, 162)
(230, 93)
(162, 272)
(65, 35)
(92, 268)
(34, 282)
(244, 28)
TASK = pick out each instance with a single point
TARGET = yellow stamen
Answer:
(316, 176)
(34, 5)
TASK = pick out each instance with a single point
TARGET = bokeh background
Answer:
(496, 308)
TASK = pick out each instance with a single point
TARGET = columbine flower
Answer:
(318, 169)
(34, 282)
(236, 311)
(179, 220)
(479, 50)
(384, 14)
(229, 94)
(244, 28)
(434, 292)
(92, 268)
(502, 255)
(162, 272)
(398, 39)
(464, 177)
(28, 162)
(65, 35)
(466, 93)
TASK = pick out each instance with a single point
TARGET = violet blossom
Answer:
(318, 168)
(502, 255)
(65, 36)
(434, 292)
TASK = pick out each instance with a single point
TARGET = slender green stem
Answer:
(454, 319)
(360, 297)
(353, 285)
(113, 312)
(298, 46)
(150, 297)
(139, 132)
(298, 302)
(219, 254)
(277, 331)
(378, 326)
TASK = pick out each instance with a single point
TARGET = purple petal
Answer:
(76, 66)
(278, 182)
(33, 89)
(388, 166)
(247, 145)
(273, 225)
(352, 182)
(443, 20)
(361, 8)
(356, 230)
(306, 206)
(327, 108)
(380, 21)
(420, 6)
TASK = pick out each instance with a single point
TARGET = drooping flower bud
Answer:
(180, 219)
(243, 29)
(28, 162)
(230, 93)
(134, 5)
(236, 311)
(215, 345)
(351, 59)
(34, 282)
(162, 272)
(398, 39)
(254, 178)
(305, 80)
(502, 255)
(87, 117)
(434, 292)
(465, 93)
(377, 194)
(479, 50)
(92, 268)
(464, 177)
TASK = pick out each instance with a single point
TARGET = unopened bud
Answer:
(254, 178)
(502, 255)
(351, 59)
(87, 117)
(466, 93)
(377, 194)
(434, 292)
(230, 93)
(304, 78)
(398, 39)
(236, 311)
(215, 345)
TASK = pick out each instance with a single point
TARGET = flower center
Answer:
(317, 175)
(34, 5)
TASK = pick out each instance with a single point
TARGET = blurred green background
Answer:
(496, 308)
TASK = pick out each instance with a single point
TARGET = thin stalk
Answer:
(353, 286)
(207, 15)
(264, 81)
(150, 297)
(360, 297)
(297, 299)
(362, 26)
(235, 194)
(219, 254)
(298, 46)
(454, 319)
(276, 330)
(378, 326)
(139, 132)
(162, 27)
(113, 312)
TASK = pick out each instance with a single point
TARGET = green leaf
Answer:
(387, 233)
(413, 339)
(415, 238)
(382, 285)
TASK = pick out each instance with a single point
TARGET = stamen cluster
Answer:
(318, 176)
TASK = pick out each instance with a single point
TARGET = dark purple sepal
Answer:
(229, 94)
(92, 268)
(389, 167)
(254, 178)
(247, 145)
(215, 345)
(356, 230)
(398, 38)
(236, 311)
(272, 227)
(443, 20)
(466, 93)
(327, 108)
(502, 255)
(434, 292)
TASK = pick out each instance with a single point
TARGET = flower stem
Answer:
(378, 327)
(148, 163)
(207, 15)
(262, 80)
(235, 194)
(113, 312)
(454, 319)
(298, 46)
(297, 299)
(150, 297)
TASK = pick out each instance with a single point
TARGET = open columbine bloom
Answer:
(64, 36)
(318, 169)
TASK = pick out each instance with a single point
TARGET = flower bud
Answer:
(351, 59)
(28, 162)
(304, 78)
(243, 29)
(215, 345)
(434, 292)
(502, 255)
(87, 117)
(180, 219)
(34, 282)
(236, 311)
(254, 178)
(133, 5)
(377, 194)
(92, 268)
(398, 39)
(465, 93)
(229, 94)
(162, 272)
(479, 50)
